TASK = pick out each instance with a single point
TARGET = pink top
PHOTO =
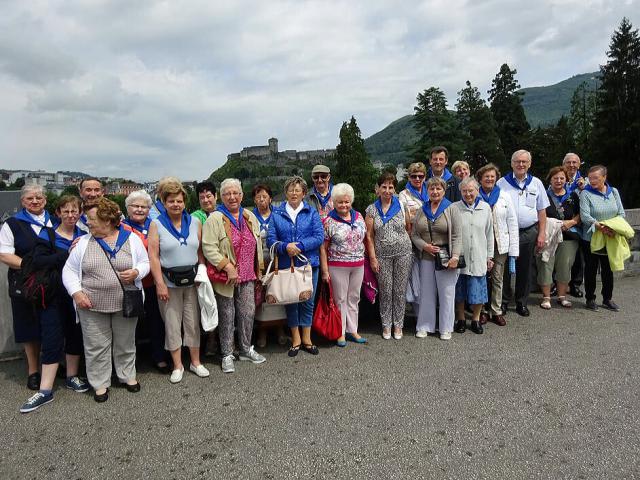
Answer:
(244, 246)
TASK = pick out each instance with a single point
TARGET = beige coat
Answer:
(218, 248)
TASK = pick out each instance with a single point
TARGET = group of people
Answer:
(448, 243)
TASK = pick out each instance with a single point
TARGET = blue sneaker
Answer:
(36, 401)
(76, 384)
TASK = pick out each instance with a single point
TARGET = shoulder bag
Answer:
(443, 256)
(132, 300)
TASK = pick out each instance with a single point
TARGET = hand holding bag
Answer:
(442, 257)
(292, 285)
(215, 275)
(132, 300)
(327, 320)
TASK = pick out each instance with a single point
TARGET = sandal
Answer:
(562, 301)
(312, 349)
(546, 303)
(293, 351)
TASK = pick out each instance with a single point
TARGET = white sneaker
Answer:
(227, 364)
(386, 333)
(445, 336)
(252, 356)
(421, 334)
(176, 375)
(200, 370)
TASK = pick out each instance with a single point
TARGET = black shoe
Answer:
(293, 351)
(312, 349)
(505, 308)
(476, 327)
(554, 290)
(103, 397)
(591, 305)
(611, 305)
(135, 388)
(576, 292)
(522, 310)
(33, 381)
(461, 326)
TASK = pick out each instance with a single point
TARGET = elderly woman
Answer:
(461, 169)
(94, 275)
(390, 253)
(138, 205)
(415, 193)
(564, 205)
(206, 192)
(175, 254)
(342, 259)
(506, 241)
(436, 227)
(477, 245)
(599, 202)
(296, 228)
(231, 243)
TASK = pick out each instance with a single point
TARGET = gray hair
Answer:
(517, 153)
(436, 181)
(228, 183)
(342, 189)
(296, 180)
(569, 155)
(467, 181)
(32, 188)
(138, 195)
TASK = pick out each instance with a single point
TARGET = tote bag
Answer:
(327, 320)
(291, 285)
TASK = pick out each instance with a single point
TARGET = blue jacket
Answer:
(307, 232)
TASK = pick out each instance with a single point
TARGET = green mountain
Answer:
(542, 106)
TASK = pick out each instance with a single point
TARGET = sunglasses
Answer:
(417, 177)
(322, 176)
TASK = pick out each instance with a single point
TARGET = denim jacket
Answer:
(307, 232)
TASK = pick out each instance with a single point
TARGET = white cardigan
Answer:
(72, 271)
(505, 226)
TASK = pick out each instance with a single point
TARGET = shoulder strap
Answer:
(112, 268)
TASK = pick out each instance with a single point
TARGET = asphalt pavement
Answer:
(555, 395)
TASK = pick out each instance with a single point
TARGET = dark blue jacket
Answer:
(307, 232)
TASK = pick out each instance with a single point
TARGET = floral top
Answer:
(244, 246)
(345, 241)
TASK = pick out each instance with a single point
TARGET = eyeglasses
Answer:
(417, 176)
(139, 207)
(322, 176)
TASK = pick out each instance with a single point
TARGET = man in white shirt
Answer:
(575, 182)
(530, 201)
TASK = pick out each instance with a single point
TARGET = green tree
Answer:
(3, 185)
(353, 165)
(548, 145)
(615, 138)
(71, 190)
(582, 116)
(119, 199)
(478, 129)
(17, 185)
(434, 124)
(506, 107)
(52, 202)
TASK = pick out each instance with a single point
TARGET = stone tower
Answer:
(273, 145)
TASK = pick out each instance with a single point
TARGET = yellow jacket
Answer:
(617, 246)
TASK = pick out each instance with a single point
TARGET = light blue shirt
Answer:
(527, 203)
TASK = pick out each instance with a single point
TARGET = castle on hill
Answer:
(269, 153)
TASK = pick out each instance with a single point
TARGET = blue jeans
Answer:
(301, 314)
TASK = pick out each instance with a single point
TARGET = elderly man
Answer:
(320, 196)
(90, 189)
(438, 168)
(530, 200)
(575, 181)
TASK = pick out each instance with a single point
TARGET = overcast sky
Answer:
(142, 88)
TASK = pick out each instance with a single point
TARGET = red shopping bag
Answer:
(327, 320)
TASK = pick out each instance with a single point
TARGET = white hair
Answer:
(228, 183)
(517, 153)
(32, 188)
(568, 156)
(342, 189)
(138, 195)
(467, 181)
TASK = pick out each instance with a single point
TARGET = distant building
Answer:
(270, 153)
(9, 204)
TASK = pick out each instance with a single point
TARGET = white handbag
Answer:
(291, 285)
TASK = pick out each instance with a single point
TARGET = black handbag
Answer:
(183, 276)
(132, 300)
(442, 257)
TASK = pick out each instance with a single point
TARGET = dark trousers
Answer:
(524, 262)
(577, 270)
(591, 263)
(155, 325)
(52, 345)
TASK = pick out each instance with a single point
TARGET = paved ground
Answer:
(552, 396)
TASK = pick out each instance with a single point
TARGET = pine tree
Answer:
(506, 106)
(434, 124)
(582, 116)
(615, 137)
(353, 165)
(548, 145)
(481, 143)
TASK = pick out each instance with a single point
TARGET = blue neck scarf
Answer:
(264, 222)
(225, 211)
(492, 197)
(446, 174)
(83, 220)
(324, 199)
(426, 208)
(65, 243)
(604, 195)
(421, 195)
(24, 216)
(144, 229)
(475, 203)
(513, 181)
(123, 235)
(394, 208)
(559, 199)
(160, 206)
(571, 187)
(333, 214)
(185, 223)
